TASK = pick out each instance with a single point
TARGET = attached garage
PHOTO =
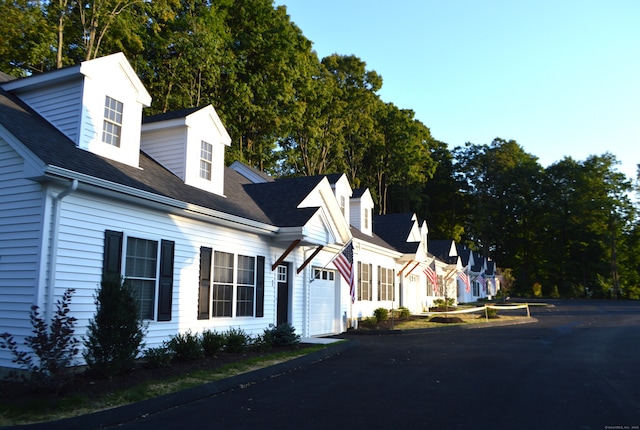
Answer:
(323, 309)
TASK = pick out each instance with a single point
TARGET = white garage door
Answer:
(322, 303)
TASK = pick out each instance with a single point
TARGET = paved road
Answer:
(578, 367)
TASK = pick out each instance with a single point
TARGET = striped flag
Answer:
(344, 264)
(483, 282)
(465, 279)
(432, 277)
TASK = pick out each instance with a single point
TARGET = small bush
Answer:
(441, 303)
(115, 336)
(53, 346)
(402, 312)
(186, 346)
(236, 340)
(282, 335)
(491, 313)
(158, 357)
(381, 314)
(369, 322)
(212, 342)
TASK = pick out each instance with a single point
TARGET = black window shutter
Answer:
(260, 287)
(112, 262)
(165, 292)
(205, 283)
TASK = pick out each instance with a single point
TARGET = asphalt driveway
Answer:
(577, 367)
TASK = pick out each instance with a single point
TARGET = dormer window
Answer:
(206, 157)
(366, 219)
(112, 127)
(342, 204)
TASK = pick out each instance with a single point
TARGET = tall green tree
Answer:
(503, 187)
(356, 88)
(401, 161)
(588, 217)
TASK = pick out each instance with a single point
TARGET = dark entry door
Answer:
(282, 277)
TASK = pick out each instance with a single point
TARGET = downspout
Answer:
(53, 247)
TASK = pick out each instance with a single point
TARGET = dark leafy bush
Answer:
(212, 342)
(369, 322)
(186, 346)
(236, 340)
(158, 357)
(381, 314)
(116, 333)
(402, 312)
(281, 335)
(53, 346)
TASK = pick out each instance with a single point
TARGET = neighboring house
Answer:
(448, 264)
(409, 236)
(87, 186)
(375, 261)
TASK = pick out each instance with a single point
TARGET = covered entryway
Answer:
(322, 302)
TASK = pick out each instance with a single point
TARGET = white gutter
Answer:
(118, 190)
(53, 247)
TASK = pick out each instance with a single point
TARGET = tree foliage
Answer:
(570, 227)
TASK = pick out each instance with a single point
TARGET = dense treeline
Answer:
(570, 228)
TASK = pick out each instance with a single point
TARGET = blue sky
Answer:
(562, 78)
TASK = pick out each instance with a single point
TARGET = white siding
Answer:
(365, 308)
(20, 235)
(60, 105)
(167, 147)
(84, 220)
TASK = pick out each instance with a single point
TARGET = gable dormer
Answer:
(342, 192)
(97, 104)
(362, 210)
(189, 143)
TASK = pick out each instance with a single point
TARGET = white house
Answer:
(87, 186)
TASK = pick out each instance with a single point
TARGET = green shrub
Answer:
(236, 340)
(281, 335)
(53, 346)
(116, 332)
(381, 314)
(441, 303)
(403, 312)
(554, 292)
(369, 322)
(186, 346)
(537, 289)
(212, 342)
(158, 357)
(491, 312)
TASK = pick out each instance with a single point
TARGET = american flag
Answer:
(483, 282)
(465, 278)
(344, 264)
(431, 276)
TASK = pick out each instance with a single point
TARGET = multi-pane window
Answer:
(476, 288)
(141, 271)
(246, 286)
(324, 274)
(112, 124)
(364, 281)
(385, 282)
(222, 288)
(343, 204)
(206, 157)
(282, 274)
(366, 218)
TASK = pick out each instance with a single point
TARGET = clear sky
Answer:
(561, 77)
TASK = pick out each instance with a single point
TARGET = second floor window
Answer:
(112, 125)
(206, 156)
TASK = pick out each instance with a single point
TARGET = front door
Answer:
(282, 277)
